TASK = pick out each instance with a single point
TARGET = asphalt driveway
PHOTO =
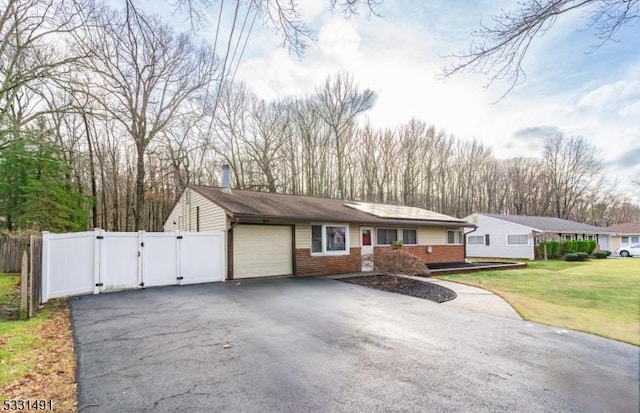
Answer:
(320, 345)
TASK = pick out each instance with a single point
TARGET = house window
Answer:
(518, 239)
(197, 219)
(409, 236)
(487, 239)
(475, 239)
(635, 240)
(385, 236)
(454, 237)
(568, 237)
(329, 239)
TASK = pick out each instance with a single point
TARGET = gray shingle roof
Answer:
(244, 204)
(550, 224)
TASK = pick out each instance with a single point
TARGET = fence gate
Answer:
(101, 261)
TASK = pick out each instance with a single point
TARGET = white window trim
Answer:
(324, 252)
(484, 240)
(518, 245)
(461, 237)
(411, 229)
(397, 233)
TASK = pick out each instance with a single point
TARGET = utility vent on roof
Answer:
(400, 212)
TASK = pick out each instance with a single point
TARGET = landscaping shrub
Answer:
(570, 247)
(576, 256)
(399, 261)
(608, 252)
(553, 249)
(582, 255)
(600, 254)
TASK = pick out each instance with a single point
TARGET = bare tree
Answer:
(573, 167)
(338, 102)
(146, 76)
(32, 59)
(501, 47)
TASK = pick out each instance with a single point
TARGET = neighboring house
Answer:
(517, 236)
(271, 234)
(625, 235)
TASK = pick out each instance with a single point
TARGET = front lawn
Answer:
(599, 296)
(36, 355)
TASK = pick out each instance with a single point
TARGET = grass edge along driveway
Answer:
(37, 361)
(598, 297)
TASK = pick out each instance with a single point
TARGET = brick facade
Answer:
(329, 264)
(343, 264)
(439, 254)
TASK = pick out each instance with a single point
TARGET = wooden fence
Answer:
(11, 254)
(35, 275)
(24, 256)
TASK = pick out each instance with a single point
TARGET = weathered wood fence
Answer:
(35, 275)
(24, 256)
(11, 254)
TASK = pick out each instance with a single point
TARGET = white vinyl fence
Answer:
(101, 261)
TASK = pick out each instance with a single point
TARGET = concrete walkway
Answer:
(469, 298)
(474, 298)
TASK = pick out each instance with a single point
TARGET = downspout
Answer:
(464, 241)
(230, 249)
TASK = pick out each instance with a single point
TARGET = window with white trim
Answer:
(454, 237)
(635, 240)
(409, 236)
(568, 237)
(475, 239)
(517, 239)
(329, 239)
(385, 236)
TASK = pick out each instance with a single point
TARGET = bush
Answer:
(571, 247)
(582, 255)
(576, 256)
(398, 261)
(601, 254)
(553, 249)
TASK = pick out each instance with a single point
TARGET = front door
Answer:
(366, 243)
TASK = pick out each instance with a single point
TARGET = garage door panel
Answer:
(262, 251)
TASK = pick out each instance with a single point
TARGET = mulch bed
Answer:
(406, 286)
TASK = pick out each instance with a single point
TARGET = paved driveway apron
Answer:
(319, 345)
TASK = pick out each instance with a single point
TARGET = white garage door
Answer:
(261, 251)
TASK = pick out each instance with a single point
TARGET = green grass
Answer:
(17, 343)
(9, 296)
(599, 296)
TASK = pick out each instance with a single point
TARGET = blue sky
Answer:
(569, 87)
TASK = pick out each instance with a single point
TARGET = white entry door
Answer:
(366, 244)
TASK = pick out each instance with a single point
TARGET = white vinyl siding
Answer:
(354, 236)
(183, 217)
(303, 236)
(262, 251)
(498, 230)
(432, 236)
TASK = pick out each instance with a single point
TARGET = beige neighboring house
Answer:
(626, 234)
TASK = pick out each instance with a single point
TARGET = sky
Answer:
(570, 87)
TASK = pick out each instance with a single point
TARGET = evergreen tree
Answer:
(35, 190)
